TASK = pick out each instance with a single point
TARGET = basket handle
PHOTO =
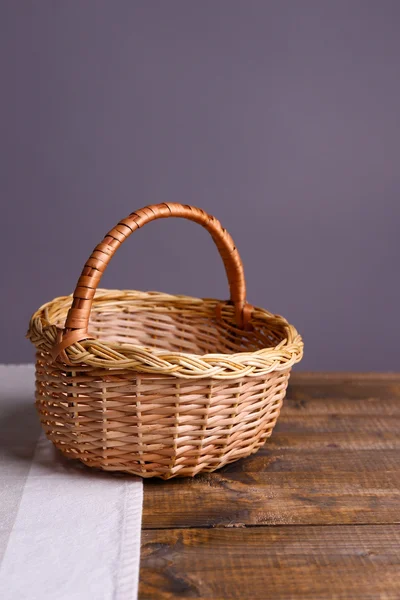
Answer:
(76, 325)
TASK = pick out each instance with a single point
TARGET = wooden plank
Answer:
(227, 498)
(345, 440)
(342, 406)
(331, 423)
(328, 377)
(353, 389)
(272, 562)
(332, 460)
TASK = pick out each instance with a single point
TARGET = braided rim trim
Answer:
(43, 333)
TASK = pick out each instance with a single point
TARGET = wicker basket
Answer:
(159, 385)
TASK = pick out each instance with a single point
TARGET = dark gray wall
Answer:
(280, 117)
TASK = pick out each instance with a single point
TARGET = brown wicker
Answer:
(154, 384)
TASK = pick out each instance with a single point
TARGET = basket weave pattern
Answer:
(154, 384)
(171, 428)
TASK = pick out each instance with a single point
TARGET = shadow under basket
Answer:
(159, 385)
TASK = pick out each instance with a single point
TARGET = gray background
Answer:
(280, 117)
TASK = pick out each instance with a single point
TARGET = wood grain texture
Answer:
(272, 562)
(248, 497)
(314, 514)
(328, 378)
(332, 423)
(341, 440)
(295, 406)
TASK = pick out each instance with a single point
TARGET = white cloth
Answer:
(66, 532)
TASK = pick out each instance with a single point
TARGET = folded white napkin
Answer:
(76, 532)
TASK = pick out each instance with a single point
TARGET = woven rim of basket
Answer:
(43, 333)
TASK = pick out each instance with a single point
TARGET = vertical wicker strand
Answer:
(175, 437)
(264, 433)
(139, 426)
(104, 425)
(199, 466)
(75, 412)
(232, 416)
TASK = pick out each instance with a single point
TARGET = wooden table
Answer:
(314, 514)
